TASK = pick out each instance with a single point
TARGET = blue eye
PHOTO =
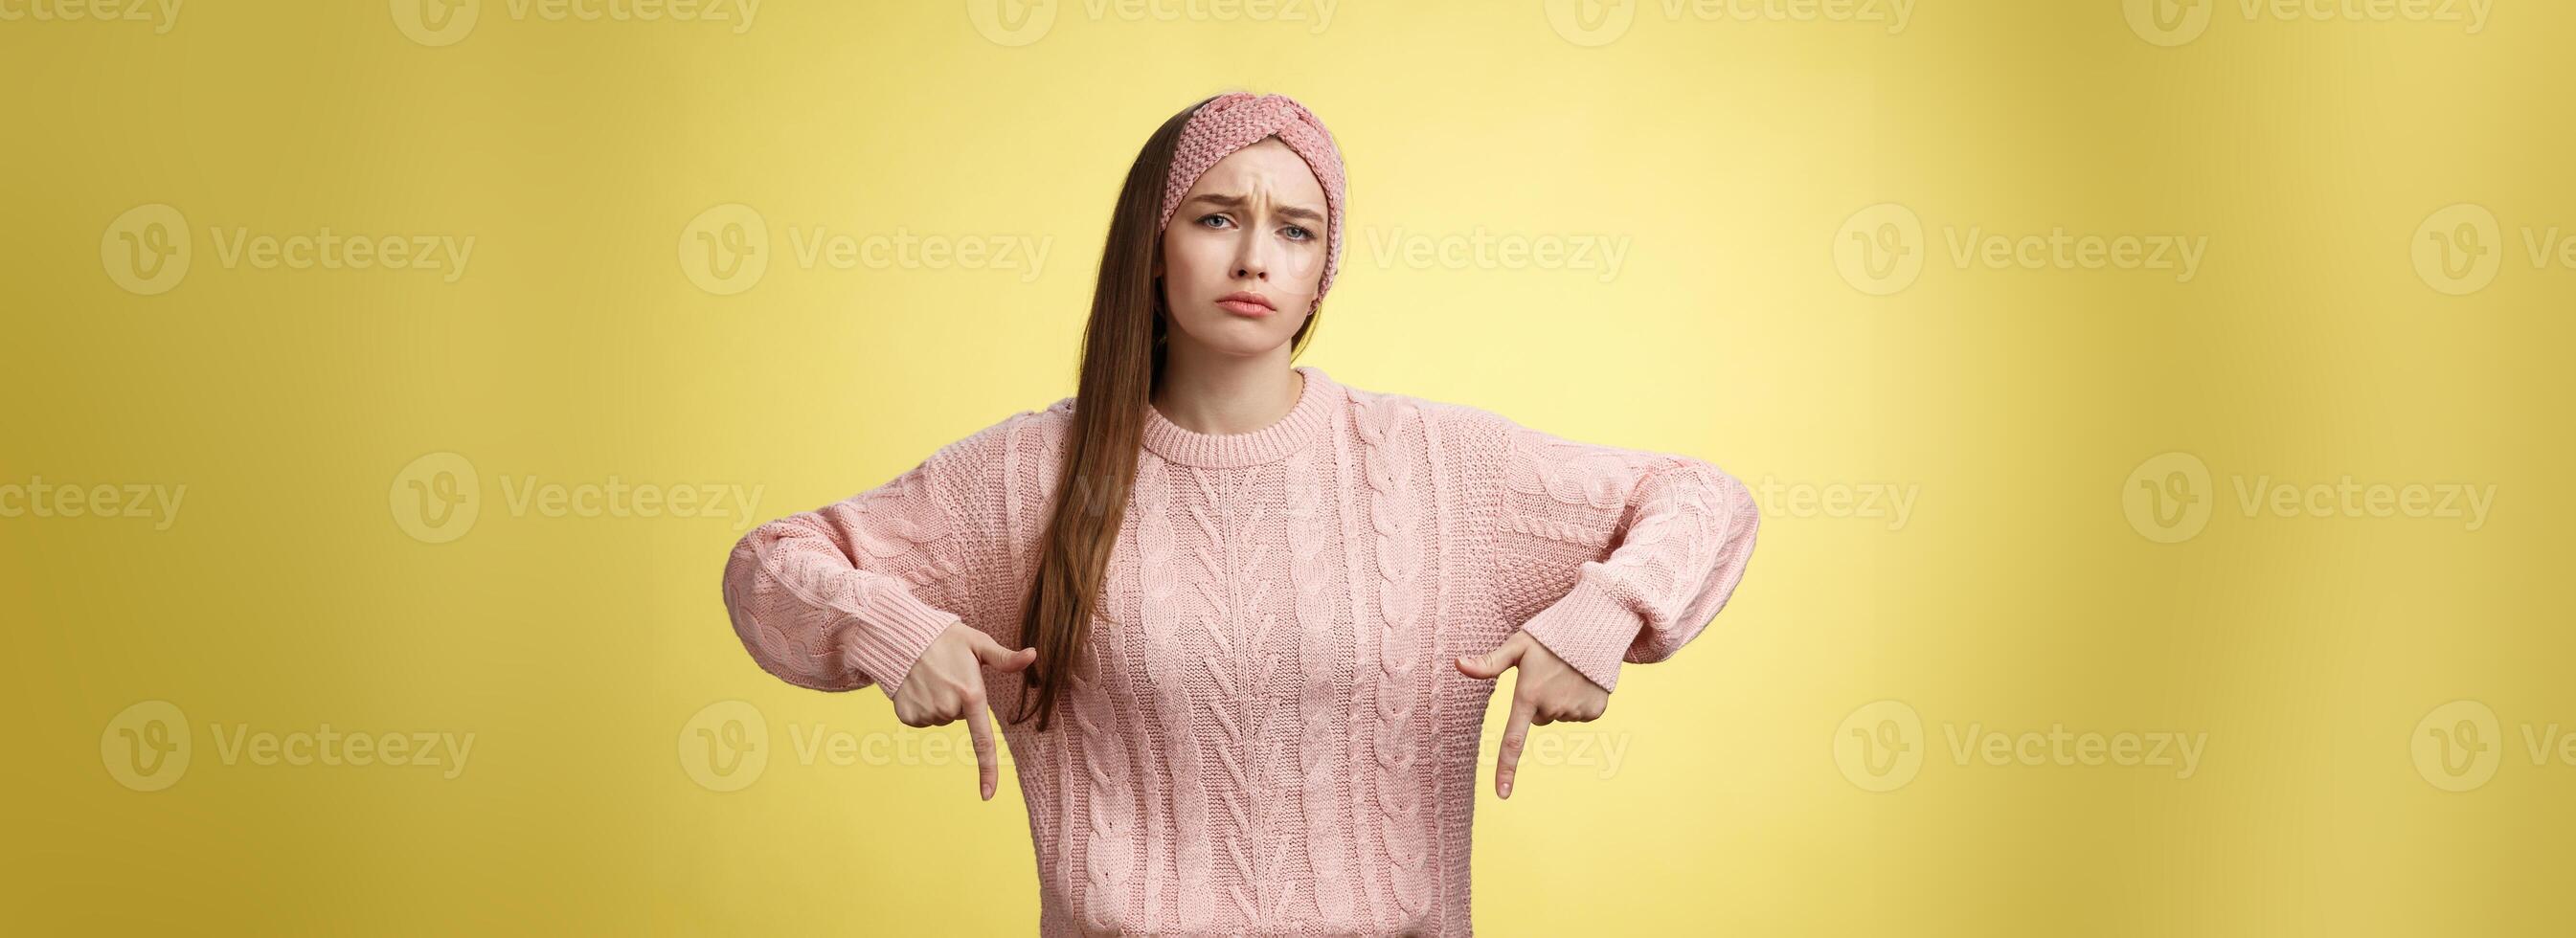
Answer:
(1301, 233)
(1203, 219)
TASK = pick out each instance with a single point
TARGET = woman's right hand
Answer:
(947, 682)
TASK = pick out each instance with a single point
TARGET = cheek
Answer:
(1304, 273)
(1197, 268)
(1188, 264)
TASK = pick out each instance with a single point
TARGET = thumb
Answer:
(1007, 659)
(1492, 664)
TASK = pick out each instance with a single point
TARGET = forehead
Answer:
(1263, 166)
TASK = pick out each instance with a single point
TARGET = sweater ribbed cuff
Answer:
(890, 634)
(1590, 628)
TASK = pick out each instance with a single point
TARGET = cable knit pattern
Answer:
(849, 594)
(1264, 735)
(1114, 838)
(1683, 530)
(1395, 510)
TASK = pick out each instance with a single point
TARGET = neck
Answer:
(1224, 394)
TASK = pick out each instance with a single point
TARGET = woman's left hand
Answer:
(1548, 690)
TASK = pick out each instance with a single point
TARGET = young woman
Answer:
(1246, 618)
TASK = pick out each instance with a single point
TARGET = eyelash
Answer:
(1303, 234)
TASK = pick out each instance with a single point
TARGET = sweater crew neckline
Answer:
(1187, 447)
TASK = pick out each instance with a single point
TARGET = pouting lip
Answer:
(1244, 296)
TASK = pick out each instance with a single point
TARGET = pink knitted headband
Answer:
(1233, 121)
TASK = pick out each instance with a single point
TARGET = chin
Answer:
(1240, 337)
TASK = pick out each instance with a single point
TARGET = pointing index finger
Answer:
(1515, 732)
(980, 726)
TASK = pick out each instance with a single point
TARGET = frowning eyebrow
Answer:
(1298, 212)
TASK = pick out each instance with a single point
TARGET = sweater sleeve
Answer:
(851, 593)
(1606, 554)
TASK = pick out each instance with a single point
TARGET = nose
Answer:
(1251, 257)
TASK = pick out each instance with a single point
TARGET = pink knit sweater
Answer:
(1269, 735)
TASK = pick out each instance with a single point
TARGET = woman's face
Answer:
(1251, 230)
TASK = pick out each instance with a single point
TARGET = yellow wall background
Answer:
(1815, 764)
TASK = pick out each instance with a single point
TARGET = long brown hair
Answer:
(1122, 365)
